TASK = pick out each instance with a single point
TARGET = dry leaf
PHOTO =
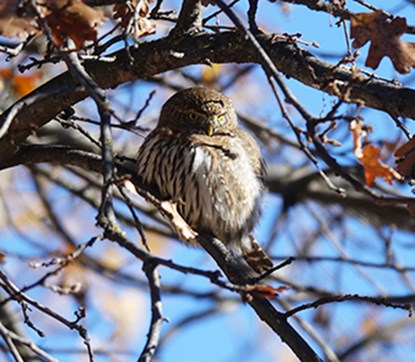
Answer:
(384, 36)
(12, 25)
(322, 317)
(406, 159)
(2, 257)
(21, 84)
(375, 168)
(186, 233)
(73, 19)
(143, 25)
(369, 158)
(66, 18)
(265, 291)
(130, 187)
(210, 75)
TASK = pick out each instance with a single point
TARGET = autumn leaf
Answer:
(210, 75)
(125, 13)
(66, 18)
(12, 25)
(72, 19)
(406, 159)
(384, 36)
(265, 291)
(369, 157)
(20, 84)
(375, 168)
(3, 257)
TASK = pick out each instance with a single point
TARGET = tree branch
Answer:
(264, 309)
(190, 18)
(162, 55)
(227, 262)
(150, 269)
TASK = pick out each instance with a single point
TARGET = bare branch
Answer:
(62, 91)
(347, 297)
(150, 269)
(190, 18)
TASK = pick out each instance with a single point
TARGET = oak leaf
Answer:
(375, 168)
(72, 19)
(369, 157)
(210, 75)
(265, 291)
(143, 26)
(3, 257)
(12, 25)
(21, 84)
(384, 36)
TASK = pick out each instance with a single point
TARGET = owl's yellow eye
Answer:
(193, 116)
(221, 118)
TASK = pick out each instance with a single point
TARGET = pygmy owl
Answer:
(212, 170)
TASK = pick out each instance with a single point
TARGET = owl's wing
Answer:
(157, 159)
(253, 152)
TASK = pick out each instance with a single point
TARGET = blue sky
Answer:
(235, 333)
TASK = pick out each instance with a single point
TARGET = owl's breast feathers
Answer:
(215, 180)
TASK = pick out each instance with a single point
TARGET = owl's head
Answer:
(198, 110)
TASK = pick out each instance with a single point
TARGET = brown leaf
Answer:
(2, 257)
(185, 232)
(369, 158)
(406, 159)
(211, 75)
(375, 168)
(125, 13)
(12, 25)
(265, 291)
(384, 36)
(322, 317)
(356, 127)
(73, 19)
(21, 84)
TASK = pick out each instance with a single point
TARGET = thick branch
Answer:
(190, 18)
(227, 262)
(303, 184)
(275, 320)
(163, 55)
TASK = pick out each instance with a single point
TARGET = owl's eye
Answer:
(193, 116)
(221, 118)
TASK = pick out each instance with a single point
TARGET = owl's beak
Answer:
(210, 127)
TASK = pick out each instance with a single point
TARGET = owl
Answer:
(198, 158)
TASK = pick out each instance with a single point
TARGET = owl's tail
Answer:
(256, 257)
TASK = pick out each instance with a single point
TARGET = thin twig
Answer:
(157, 318)
(13, 336)
(19, 296)
(348, 297)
